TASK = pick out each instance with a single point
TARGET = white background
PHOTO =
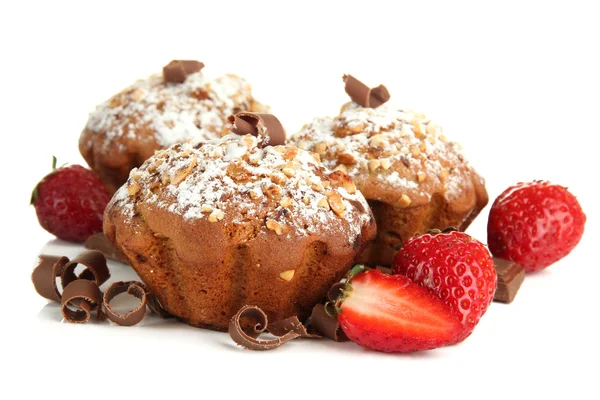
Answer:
(516, 83)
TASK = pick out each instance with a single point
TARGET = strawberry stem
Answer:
(358, 268)
(54, 161)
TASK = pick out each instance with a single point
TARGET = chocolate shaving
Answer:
(286, 330)
(100, 242)
(131, 317)
(385, 270)
(510, 277)
(96, 269)
(155, 306)
(326, 324)
(335, 291)
(45, 274)
(51, 267)
(363, 95)
(291, 324)
(177, 71)
(83, 295)
(264, 126)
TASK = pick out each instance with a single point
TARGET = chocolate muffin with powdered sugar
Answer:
(156, 112)
(211, 226)
(413, 177)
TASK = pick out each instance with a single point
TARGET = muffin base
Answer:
(396, 225)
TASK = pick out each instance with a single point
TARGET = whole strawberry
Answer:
(69, 202)
(455, 267)
(390, 313)
(535, 224)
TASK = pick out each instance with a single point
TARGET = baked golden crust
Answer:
(413, 177)
(152, 114)
(212, 226)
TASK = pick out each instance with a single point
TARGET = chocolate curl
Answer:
(132, 317)
(263, 126)
(50, 267)
(363, 95)
(289, 329)
(155, 306)
(84, 296)
(178, 70)
(327, 324)
(96, 269)
(100, 242)
(45, 274)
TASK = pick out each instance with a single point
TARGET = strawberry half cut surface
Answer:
(390, 313)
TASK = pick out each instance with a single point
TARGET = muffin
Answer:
(413, 177)
(211, 226)
(159, 111)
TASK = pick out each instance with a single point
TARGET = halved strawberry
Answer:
(390, 313)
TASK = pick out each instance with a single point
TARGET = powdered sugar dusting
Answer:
(235, 180)
(174, 112)
(396, 156)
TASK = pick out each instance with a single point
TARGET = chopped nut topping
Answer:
(421, 176)
(417, 128)
(306, 200)
(432, 128)
(289, 171)
(377, 141)
(287, 275)
(346, 158)
(321, 147)
(317, 187)
(323, 203)
(216, 215)
(277, 178)
(275, 227)
(290, 153)
(137, 94)
(273, 192)
(248, 140)
(444, 173)
(443, 138)
(350, 187)
(423, 147)
(285, 202)
(341, 167)
(180, 175)
(373, 165)
(133, 188)
(431, 139)
(255, 194)
(316, 156)
(336, 203)
(385, 163)
(340, 178)
(415, 152)
(404, 150)
(405, 201)
(304, 145)
(206, 208)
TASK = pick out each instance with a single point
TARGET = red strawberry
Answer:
(69, 202)
(535, 224)
(392, 314)
(455, 267)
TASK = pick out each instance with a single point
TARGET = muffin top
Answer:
(395, 156)
(169, 112)
(238, 180)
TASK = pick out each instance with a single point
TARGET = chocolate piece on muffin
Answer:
(413, 177)
(211, 226)
(159, 111)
